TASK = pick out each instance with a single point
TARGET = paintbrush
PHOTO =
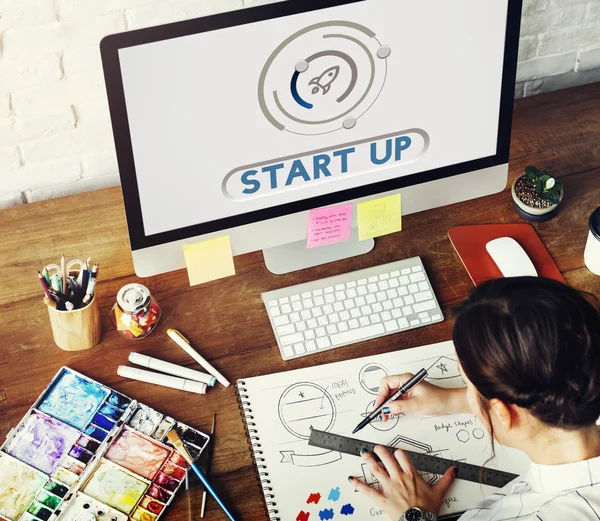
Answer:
(209, 456)
(181, 448)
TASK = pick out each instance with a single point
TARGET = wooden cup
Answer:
(78, 329)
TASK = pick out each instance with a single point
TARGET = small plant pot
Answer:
(533, 213)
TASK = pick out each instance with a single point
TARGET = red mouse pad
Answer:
(469, 242)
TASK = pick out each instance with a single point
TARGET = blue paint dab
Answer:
(326, 514)
(347, 510)
(334, 494)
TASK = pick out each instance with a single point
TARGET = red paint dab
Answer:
(303, 516)
(314, 498)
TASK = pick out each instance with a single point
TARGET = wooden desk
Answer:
(226, 320)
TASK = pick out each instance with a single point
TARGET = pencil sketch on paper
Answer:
(370, 377)
(444, 368)
(377, 423)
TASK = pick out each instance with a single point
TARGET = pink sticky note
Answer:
(329, 225)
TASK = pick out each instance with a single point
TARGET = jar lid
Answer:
(132, 298)
(595, 223)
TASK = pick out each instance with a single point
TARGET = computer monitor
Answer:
(240, 123)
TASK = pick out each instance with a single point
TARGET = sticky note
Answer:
(209, 260)
(329, 225)
(379, 217)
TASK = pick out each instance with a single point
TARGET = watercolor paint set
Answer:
(86, 452)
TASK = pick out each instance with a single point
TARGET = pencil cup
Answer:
(78, 329)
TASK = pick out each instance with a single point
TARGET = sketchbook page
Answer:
(310, 484)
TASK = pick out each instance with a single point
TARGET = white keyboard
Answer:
(352, 307)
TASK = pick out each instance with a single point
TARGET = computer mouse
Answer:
(510, 257)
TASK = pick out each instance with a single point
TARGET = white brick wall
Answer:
(55, 136)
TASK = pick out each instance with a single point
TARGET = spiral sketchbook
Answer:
(304, 483)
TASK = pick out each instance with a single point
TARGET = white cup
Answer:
(591, 255)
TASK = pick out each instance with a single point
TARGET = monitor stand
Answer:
(295, 256)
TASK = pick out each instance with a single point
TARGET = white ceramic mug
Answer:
(591, 255)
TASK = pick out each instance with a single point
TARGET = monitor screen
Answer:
(282, 112)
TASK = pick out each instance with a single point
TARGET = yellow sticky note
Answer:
(209, 260)
(379, 217)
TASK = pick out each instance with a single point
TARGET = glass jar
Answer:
(136, 312)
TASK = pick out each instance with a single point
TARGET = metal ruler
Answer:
(422, 462)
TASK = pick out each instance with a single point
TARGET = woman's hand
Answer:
(402, 487)
(424, 398)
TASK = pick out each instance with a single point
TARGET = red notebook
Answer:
(469, 242)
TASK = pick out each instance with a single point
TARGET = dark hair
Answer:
(534, 343)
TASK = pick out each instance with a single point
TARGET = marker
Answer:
(89, 292)
(64, 273)
(404, 388)
(184, 343)
(161, 379)
(173, 369)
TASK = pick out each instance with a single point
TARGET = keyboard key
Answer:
(403, 323)
(384, 276)
(377, 307)
(301, 326)
(320, 331)
(394, 283)
(311, 346)
(295, 298)
(383, 285)
(306, 294)
(395, 273)
(407, 310)
(338, 306)
(309, 334)
(405, 271)
(284, 300)
(323, 321)
(316, 312)
(275, 311)
(391, 325)
(295, 317)
(319, 301)
(328, 289)
(340, 295)
(437, 316)
(381, 296)
(375, 319)
(396, 313)
(417, 277)
(343, 326)
(351, 293)
(353, 323)
(286, 330)
(415, 322)
(355, 313)
(364, 321)
(398, 302)
(361, 282)
(328, 309)
(372, 288)
(404, 280)
(344, 315)
(426, 295)
(272, 303)
(299, 348)
(349, 304)
(331, 329)
(391, 293)
(351, 284)
(291, 339)
(402, 291)
(281, 321)
(409, 299)
(387, 305)
(334, 317)
(373, 279)
(312, 323)
(362, 290)
(339, 287)
(366, 310)
(423, 286)
(288, 351)
(424, 306)
(424, 314)
(360, 301)
(297, 306)
(330, 298)
(357, 334)
(386, 315)
(417, 268)
(323, 342)
(307, 303)
(413, 288)
(286, 308)
(425, 320)
(306, 314)
(317, 292)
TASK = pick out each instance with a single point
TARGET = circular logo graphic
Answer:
(306, 406)
(370, 376)
(323, 78)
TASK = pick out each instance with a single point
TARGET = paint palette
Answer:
(86, 452)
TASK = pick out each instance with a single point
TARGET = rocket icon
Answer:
(324, 81)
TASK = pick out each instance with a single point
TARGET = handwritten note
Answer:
(209, 260)
(329, 225)
(379, 217)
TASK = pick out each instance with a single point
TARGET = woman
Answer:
(529, 351)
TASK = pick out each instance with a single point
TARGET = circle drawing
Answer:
(379, 425)
(322, 76)
(478, 433)
(306, 406)
(370, 376)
